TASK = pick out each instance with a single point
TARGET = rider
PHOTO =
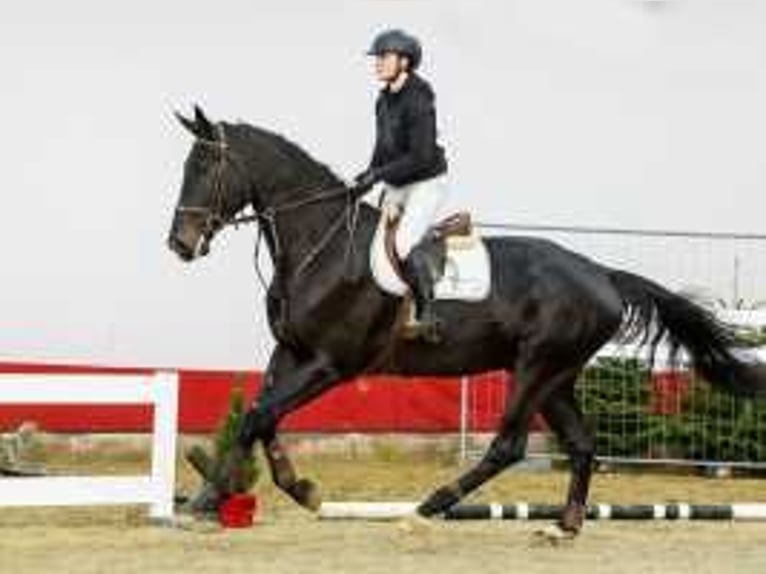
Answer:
(410, 163)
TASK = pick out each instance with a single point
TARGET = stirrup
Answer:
(428, 331)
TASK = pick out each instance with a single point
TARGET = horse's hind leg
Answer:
(509, 446)
(290, 382)
(564, 416)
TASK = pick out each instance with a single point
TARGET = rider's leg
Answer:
(418, 270)
(421, 204)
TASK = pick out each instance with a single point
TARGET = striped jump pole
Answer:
(525, 511)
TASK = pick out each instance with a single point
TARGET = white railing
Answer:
(155, 489)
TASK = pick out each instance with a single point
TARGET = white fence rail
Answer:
(156, 489)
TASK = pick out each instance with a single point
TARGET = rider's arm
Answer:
(376, 159)
(421, 118)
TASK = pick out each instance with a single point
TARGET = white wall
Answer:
(606, 112)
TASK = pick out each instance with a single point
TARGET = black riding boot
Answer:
(420, 278)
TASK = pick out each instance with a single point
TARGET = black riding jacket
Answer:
(405, 147)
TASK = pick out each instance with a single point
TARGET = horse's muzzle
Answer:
(180, 248)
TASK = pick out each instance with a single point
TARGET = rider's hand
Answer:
(365, 181)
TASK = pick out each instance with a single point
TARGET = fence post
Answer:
(165, 391)
(463, 418)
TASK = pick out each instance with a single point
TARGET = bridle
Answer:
(216, 217)
(215, 213)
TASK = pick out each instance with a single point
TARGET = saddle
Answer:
(457, 226)
(460, 259)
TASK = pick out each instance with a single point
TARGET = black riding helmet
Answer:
(397, 41)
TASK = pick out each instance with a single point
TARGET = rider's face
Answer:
(388, 66)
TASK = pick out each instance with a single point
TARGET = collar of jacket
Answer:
(408, 83)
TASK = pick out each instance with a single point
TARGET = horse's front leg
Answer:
(290, 382)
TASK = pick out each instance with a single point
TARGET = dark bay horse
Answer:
(548, 312)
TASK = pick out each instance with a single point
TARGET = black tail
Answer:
(660, 315)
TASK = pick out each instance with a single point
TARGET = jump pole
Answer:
(754, 511)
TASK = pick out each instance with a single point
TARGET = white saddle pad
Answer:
(466, 271)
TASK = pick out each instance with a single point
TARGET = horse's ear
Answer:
(190, 125)
(205, 126)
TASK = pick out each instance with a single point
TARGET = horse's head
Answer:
(231, 166)
(213, 191)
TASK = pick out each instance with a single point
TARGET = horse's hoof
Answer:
(307, 494)
(554, 534)
(439, 501)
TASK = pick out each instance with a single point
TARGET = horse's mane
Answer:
(310, 168)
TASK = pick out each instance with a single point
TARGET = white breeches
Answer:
(419, 204)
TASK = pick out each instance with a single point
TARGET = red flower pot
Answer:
(238, 511)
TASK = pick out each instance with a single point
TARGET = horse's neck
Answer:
(301, 230)
(320, 243)
(300, 226)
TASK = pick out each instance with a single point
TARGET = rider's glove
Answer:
(364, 182)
